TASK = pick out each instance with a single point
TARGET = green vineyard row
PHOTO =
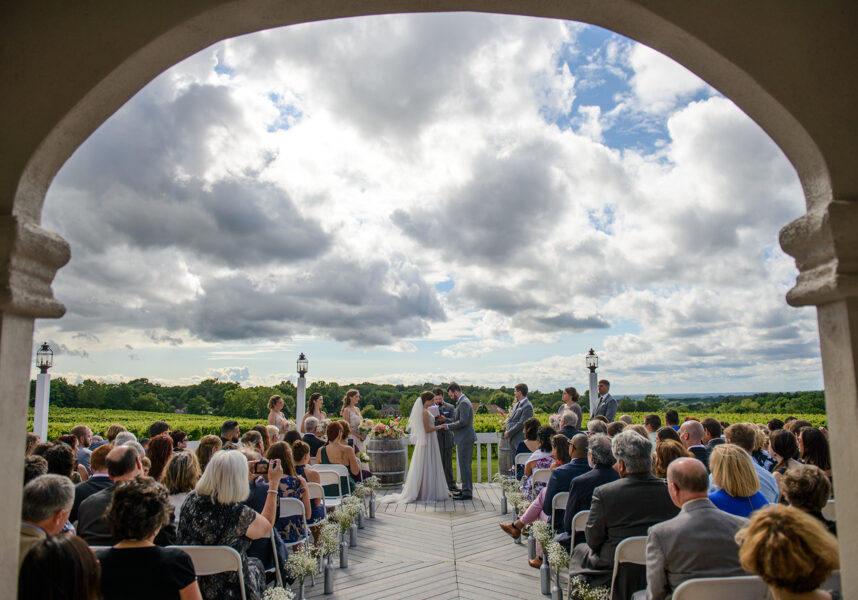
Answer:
(61, 420)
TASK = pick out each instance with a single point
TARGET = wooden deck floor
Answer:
(442, 550)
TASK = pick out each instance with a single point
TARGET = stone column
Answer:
(825, 246)
(29, 259)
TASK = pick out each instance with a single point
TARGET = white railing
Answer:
(484, 440)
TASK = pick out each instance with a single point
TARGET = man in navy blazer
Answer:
(601, 459)
(562, 477)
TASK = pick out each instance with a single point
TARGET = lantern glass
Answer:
(592, 360)
(45, 357)
(302, 364)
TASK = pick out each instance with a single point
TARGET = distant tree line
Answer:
(214, 397)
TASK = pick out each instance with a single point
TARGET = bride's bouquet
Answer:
(366, 426)
(555, 421)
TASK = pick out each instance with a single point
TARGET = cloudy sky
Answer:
(431, 197)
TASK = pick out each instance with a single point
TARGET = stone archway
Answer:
(791, 69)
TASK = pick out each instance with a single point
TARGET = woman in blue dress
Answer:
(291, 485)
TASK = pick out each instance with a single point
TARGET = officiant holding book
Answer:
(444, 413)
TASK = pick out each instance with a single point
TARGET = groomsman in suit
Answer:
(464, 437)
(446, 412)
(607, 405)
(522, 410)
(698, 542)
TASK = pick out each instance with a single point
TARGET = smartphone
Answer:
(261, 467)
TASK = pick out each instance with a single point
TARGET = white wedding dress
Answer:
(425, 479)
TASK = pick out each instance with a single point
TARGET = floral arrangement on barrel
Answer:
(390, 431)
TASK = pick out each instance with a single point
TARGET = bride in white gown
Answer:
(425, 478)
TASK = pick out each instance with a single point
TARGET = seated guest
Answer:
(615, 428)
(123, 437)
(301, 457)
(624, 508)
(180, 440)
(665, 453)
(180, 478)
(45, 509)
(208, 446)
(33, 467)
(157, 428)
(32, 441)
(691, 436)
(111, 433)
(601, 459)
(671, 419)
(123, 464)
(291, 485)
(760, 453)
(595, 426)
(159, 452)
(666, 433)
(782, 447)
(293, 435)
(213, 515)
(144, 443)
(138, 510)
(601, 418)
(698, 542)
(640, 429)
(230, 431)
(539, 459)
(813, 447)
(711, 433)
(84, 441)
(529, 444)
(775, 424)
(807, 488)
(569, 422)
(627, 419)
(739, 487)
(147, 465)
(62, 460)
(339, 453)
(653, 424)
(791, 551)
(310, 438)
(266, 441)
(744, 435)
(60, 567)
(96, 483)
(252, 440)
(273, 434)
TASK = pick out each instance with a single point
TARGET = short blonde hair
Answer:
(226, 478)
(761, 438)
(273, 433)
(733, 471)
(181, 473)
(789, 550)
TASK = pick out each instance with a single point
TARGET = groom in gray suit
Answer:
(465, 437)
(522, 410)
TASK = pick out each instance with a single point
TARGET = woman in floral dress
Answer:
(540, 459)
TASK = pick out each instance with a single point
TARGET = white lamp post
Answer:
(44, 360)
(592, 361)
(301, 400)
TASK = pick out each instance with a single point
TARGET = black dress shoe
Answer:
(456, 492)
(463, 497)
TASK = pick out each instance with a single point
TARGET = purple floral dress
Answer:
(528, 489)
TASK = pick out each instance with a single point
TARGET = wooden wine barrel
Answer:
(389, 459)
(506, 455)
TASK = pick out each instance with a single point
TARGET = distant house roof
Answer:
(493, 409)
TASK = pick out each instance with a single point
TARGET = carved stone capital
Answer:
(29, 258)
(825, 247)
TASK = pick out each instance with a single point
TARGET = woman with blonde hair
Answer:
(180, 477)
(208, 446)
(276, 418)
(351, 414)
(665, 453)
(734, 473)
(791, 551)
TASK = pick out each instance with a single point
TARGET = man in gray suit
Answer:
(624, 508)
(698, 542)
(521, 411)
(446, 413)
(465, 437)
(607, 405)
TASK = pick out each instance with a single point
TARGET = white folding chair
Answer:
(97, 548)
(630, 550)
(579, 521)
(833, 582)
(828, 511)
(277, 574)
(520, 459)
(330, 478)
(317, 492)
(292, 507)
(746, 587)
(540, 476)
(558, 503)
(211, 560)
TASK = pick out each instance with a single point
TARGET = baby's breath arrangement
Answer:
(541, 532)
(278, 593)
(361, 491)
(581, 590)
(329, 538)
(372, 483)
(344, 518)
(300, 564)
(558, 558)
(516, 498)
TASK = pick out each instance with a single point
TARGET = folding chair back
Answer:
(541, 476)
(210, 560)
(579, 521)
(630, 550)
(558, 503)
(292, 507)
(317, 492)
(746, 587)
(828, 511)
(340, 470)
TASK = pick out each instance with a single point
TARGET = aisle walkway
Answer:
(442, 550)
